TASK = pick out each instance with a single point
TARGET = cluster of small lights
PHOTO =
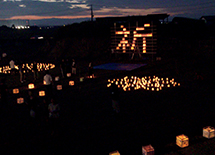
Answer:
(148, 83)
(22, 27)
(28, 67)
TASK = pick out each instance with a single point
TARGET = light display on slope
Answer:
(148, 83)
(28, 67)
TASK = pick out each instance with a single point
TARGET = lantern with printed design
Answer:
(15, 91)
(31, 86)
(208, 132)
(182, 141)
(148, 150)
(71, 83)
(20, 100)
(59, 87)
(42, 93)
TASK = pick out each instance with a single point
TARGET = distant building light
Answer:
(40, 37)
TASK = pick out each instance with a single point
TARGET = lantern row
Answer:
(154, 84)
(20, 100)
(181, 141)
(28, 67)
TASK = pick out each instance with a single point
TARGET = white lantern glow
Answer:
(31, 86)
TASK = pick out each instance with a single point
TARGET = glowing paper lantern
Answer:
(20, 100)
(208, 132)
(71, 83)
(114, 153)
(59, 87)
(81, 79)
(182, 141)
(57, 78)
(44, 82)
(68, 74)
(16, 91)
(31, 86)
(147, 150)
(42, 93)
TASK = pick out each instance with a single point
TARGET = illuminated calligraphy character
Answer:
(123, 43)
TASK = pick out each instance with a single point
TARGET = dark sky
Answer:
(80, 9)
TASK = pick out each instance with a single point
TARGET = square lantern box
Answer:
(20, 100)
(81, 79)
(31, 86)
(182, 141)
(68, 74)
(148, 150)
(15, 91)
(42, 93)
(57, 78)
(59, 87)
(114, 153)
(208, 132)
(71, 83)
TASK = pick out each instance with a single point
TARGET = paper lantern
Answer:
(114, 153)
(59, 87)
(148, 150)
(31, 86)
(44, 82)
(182, 141)
(71, 83)
(81, 79)
(16, 91)
(68, 74)
(208, 132)
(20, 100)
(42, 93)
(57, 78)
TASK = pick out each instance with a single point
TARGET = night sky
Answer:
(80, 9)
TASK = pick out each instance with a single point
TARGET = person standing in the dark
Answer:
(35, 71)
(32, 104)
(73, 67)
(68, 66)
(48, 84)
(63, 68)
(115, 98)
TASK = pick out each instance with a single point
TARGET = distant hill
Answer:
(56, 22)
